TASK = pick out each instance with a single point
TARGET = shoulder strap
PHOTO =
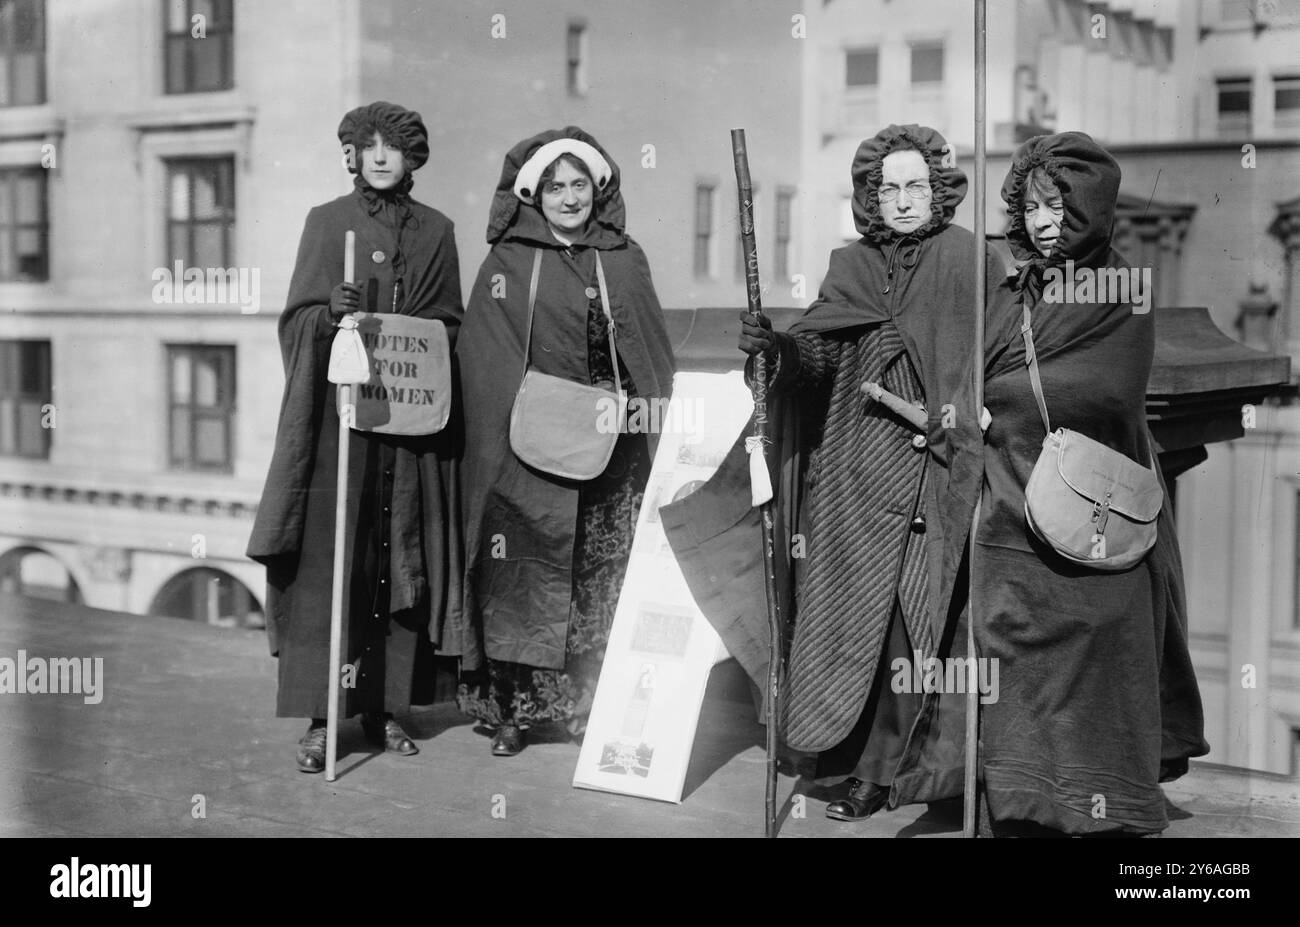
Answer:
(532, 301)
(1031, 359)
(604, 305)
(609, 319)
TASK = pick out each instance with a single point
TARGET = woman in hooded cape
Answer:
(852, 479)
(1097, 700)
(545, 556)
(402, 569)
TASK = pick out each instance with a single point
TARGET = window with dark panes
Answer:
(861, 67)
(201, 211)
(927, 62)
(22, 52)
(200, 45)
(1286, 97)
(24, 225)
(703, 257)
(26, 412)
(576, 58)
(202, 412)
(1234, 96)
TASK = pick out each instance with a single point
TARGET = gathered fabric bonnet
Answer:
(1088, 179)
(947, 181)
(399, 127)
(404, 130)
(531, 172)
(514, 213)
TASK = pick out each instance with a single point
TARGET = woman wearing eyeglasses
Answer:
(885, 505)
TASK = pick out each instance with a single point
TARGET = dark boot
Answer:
(311, 748)
(508, 740)
(382, 730)
(864, 800)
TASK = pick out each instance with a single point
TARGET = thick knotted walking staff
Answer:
(347, 413)
(756, 445)
(981, 246)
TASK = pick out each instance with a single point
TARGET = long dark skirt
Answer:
(379, 646)
(523, 695)
(1074, 740)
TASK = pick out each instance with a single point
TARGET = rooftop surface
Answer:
(185, 743)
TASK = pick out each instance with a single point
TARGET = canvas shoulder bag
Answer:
(561, 427)
(1095, 506)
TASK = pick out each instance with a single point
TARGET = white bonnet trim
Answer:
(531, 172)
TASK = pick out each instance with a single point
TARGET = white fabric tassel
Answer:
(760, 481)
(348, 363)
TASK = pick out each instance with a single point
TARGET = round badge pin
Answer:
(377, 257)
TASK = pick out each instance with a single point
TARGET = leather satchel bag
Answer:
(1095, 506)
(561, 427)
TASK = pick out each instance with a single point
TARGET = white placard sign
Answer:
(661, 648)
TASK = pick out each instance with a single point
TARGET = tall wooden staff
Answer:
(972, 699)
(347, 413)
(759, 477)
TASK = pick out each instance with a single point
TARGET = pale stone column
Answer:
(1249, 624)
(1172, 232)
(107, 572)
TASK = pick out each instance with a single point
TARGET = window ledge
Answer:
(187, 110)
(173, 121)
(23, 122)
(13, 292)
(182, 491)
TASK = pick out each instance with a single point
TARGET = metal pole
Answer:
(972, 689)
(346, 416)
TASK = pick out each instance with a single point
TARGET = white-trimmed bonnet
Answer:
(531, 172)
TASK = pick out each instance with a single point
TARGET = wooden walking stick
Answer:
(347, 413)
(972, 688)
(760, 480)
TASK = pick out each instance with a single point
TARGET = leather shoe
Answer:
(507, 741)
(311, 750)
(384, 731)
(864, 800)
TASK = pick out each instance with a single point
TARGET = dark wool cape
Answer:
(423, 528)
(846, 473)
(521, 523)
(1097, 697)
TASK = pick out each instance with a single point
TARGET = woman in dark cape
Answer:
(1097, 701)
(402, 569)
(545, 555)
(885, 512)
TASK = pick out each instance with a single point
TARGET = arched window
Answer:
(33, 572)
(211, 596)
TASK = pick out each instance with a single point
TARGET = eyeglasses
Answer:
(917, 190)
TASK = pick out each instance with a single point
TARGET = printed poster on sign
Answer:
(661, 648)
